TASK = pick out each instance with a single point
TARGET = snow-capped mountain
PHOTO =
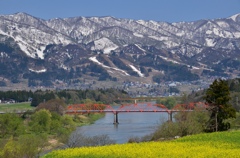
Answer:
(113, 48)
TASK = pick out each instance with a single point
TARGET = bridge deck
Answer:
(118, 111)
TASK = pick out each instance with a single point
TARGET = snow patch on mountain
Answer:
(4, 55)
(170, 44)
(138, 35)
(136, 70)
(223, 24)
(210, 42)
(40, 52)
(167, 59)
(38, 71)
(3, 33)
(64, 67)
(209, 32)
(194, 67)
(21, 43)
(104, 44)
(222, 33)
(140, 48)
(142, 22)
(24, 46)
(180, 33)
(237, 34)
(159, 38)
(94, 59)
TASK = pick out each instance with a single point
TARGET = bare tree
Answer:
(80, 140)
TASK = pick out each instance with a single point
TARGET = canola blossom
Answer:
(220, 144)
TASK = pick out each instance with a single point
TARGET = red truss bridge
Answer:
(137, 107)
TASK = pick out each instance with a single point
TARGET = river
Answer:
(131, 124)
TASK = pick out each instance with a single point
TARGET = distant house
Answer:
(8, 101)
(29, 99)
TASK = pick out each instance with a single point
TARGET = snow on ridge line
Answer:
(136, 70)
(94, 59)
(38, 71)
(234, 17)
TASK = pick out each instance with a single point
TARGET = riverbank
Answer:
(79, 120)
(86, 119)
(219, 144)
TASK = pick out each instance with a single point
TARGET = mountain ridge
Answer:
(151, 50)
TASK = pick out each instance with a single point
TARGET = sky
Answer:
(157, 10)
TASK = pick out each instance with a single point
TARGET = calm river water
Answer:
(131, 124)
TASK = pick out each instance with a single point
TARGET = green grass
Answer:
(85, 119)
(95, 117)
(15, 107)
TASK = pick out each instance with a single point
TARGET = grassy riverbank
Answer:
(221, 144)
(87, 119)
(79, 120)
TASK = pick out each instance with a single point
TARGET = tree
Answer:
(41, 121)
(79, 140)
(11, 149)
(11, 125)
(186, 123)
(53, 105)
(38, 142)
(39, 97)
(26, 146)
(67, 126)
(218, 97)
(169, 102)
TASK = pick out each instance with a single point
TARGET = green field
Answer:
(15, 107)
(216, 145)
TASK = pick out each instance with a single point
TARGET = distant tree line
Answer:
(106, 96)
(18, 96)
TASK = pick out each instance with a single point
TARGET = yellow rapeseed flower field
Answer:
(211, 145)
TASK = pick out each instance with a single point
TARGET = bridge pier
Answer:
(115, 121)
(170, 116)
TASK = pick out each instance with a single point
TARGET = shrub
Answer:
(186, 123)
